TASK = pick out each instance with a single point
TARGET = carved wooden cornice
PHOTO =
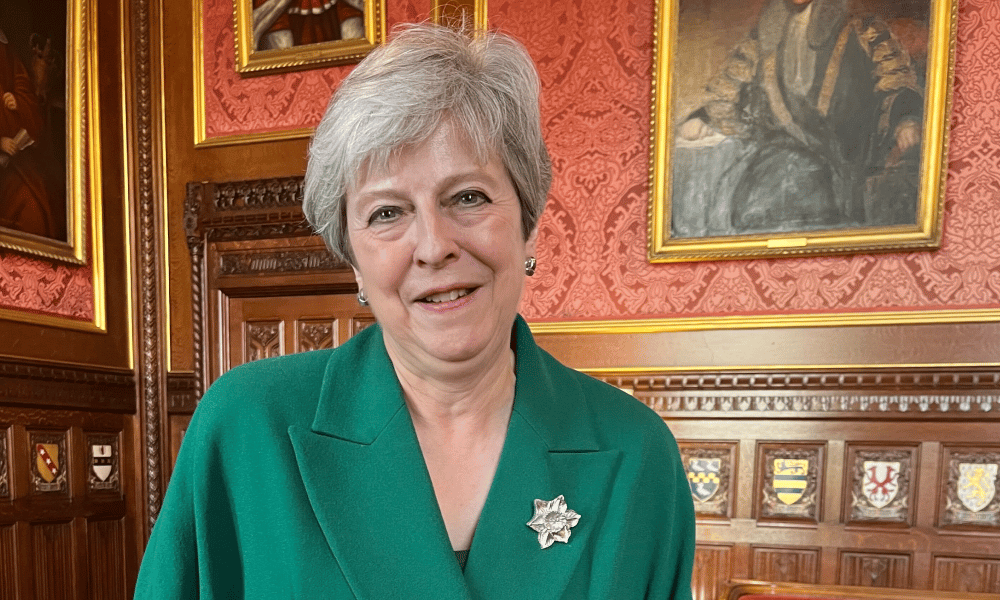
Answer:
(33, 383)
(868, 392)
(182, 392)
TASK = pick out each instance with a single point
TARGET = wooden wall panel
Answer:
(8, 583)
(967, 574)
(800, 565)
(52, 560)
(874, 570)
(106, 559)
(713, 564)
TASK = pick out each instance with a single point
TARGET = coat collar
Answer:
(369, 487)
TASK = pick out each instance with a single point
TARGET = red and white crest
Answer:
(881, 482)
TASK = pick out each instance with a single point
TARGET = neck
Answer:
(447, 399)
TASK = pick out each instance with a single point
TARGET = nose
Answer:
(436, 244)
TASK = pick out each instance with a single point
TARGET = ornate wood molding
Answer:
(960, 392)
(277, 261)
(35, 383)
(183, 392)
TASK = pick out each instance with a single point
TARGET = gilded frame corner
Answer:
(923, 234)
(308, 56)
(85, 241)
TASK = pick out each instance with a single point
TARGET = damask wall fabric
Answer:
(595, 60)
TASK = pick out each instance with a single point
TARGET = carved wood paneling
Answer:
(316, 334)
(967, 574)
(182, 392)
(7, 575)
(4, 468)
(874, 570)
(52, 560)
(799, 565)
(790, 481)
(713, 565)
(880, 481)
(258, 194)
(711, 476)
(105, 557)
(103, 463)
(911, 393)
(969, 488)
(358, 324)
(263, 340)
(34, 383)
(50, 462)
(304, 260)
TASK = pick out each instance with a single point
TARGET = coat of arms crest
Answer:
(47, 461)
(703, 477)
(881, 482)
(977, 484)
(790, 479)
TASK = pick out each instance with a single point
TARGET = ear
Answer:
(358, 278)
(529, 244)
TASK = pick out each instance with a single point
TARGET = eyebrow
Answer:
(455, 180)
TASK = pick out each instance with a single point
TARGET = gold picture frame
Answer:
(84, 236)
(82, 150)
(717, 186)
(291, 52)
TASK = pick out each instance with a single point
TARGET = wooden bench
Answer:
(768, 590)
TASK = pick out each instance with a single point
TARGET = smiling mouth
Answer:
(448, 296)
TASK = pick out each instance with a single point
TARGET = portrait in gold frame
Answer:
(287, 35)
(737, 184)
(83, 242)
(48, 177)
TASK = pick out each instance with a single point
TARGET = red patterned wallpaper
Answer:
(595, 59)
(43, 287)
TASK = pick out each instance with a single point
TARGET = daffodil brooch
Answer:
(553, 521)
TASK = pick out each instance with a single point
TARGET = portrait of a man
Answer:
(812, 121)
(280, 24)
(32, 122)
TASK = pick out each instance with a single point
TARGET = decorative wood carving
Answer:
(150, 367)
(881, 483)
(4, 469)
(799, 565)
(713, 565)
(49, 462)
(104, 463)
(790, 481)
(35, 383)
(971, 476)
(358, 324)
(709, 467)
(281, 261)
(874, 570)
(315, 334)
(967, 574)
(263, 340)
(182, 392)
(919, 392)
(258, 194)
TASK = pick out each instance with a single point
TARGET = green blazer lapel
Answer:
(545, 455)
(368, 485)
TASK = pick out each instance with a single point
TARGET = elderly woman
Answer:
(441, 453)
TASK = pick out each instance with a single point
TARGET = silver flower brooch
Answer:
(553, 521)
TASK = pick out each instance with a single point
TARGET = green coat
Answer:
(301, 477)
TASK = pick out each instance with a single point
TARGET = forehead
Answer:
(446, 148)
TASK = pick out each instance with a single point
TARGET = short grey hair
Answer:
(485, 84)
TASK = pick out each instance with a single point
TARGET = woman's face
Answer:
(439, 252)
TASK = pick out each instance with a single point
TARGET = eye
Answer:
(384, 214)
(471, 198)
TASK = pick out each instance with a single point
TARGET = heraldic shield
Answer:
(47, 461)
(703, 477)
(976, 485)
(791, 476)
(881, 482)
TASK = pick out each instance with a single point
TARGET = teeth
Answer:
(446, 296)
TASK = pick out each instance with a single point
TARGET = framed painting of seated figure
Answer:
(796, 127)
